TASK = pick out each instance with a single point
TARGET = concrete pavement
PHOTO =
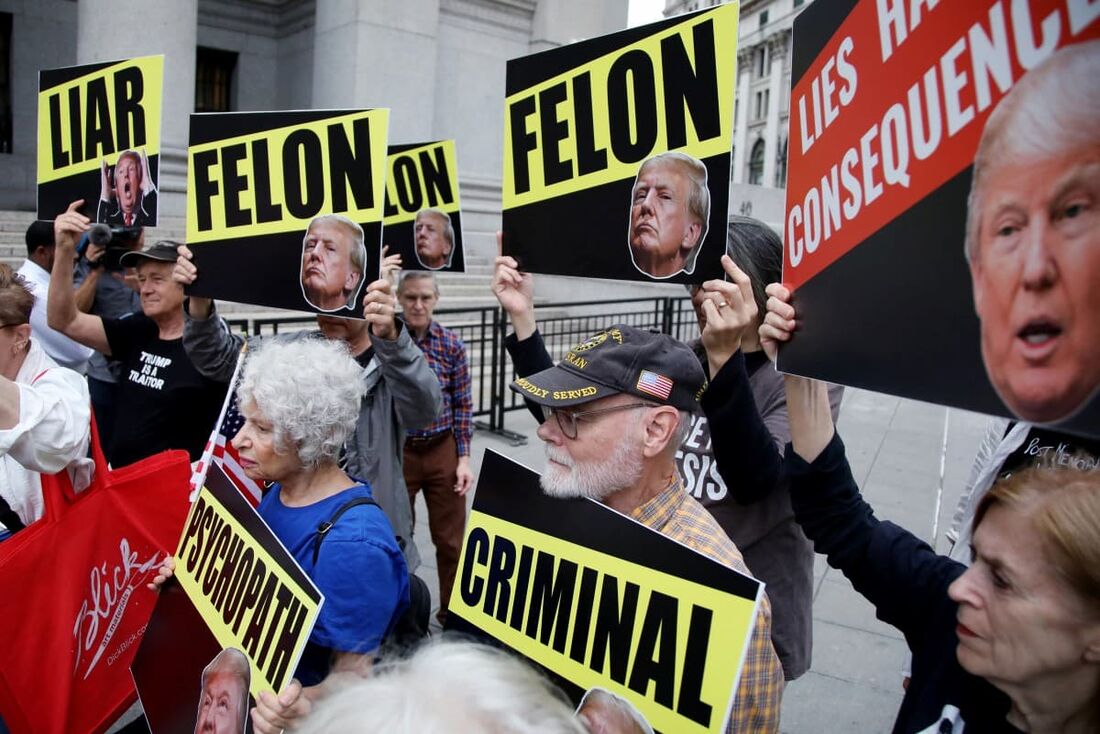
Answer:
(895, 447)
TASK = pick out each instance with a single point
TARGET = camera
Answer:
(116, 241)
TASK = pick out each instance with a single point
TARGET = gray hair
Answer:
(358, 250)
(448, 686)
(309, 389)
(1046, 113)
(408, 275)
(698, 195)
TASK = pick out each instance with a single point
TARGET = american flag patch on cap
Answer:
(654, 384)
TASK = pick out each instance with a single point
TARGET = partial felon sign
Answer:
(423, 221)
(285, 209)
(241, 589)
(99, 140)
(579, 123)
(599, 600)
(923, 267)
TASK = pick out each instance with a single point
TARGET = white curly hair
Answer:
(309, 389)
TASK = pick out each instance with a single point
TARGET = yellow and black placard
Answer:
(599, 600)
(423, 221)
(285, 209)
(239, 591)
(99, 140)
(581, 121)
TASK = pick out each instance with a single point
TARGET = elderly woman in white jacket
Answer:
(44, 413)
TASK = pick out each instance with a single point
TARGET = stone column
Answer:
(777, 51)
(741, 124)
(116, 29)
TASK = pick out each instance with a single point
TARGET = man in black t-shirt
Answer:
(163, 402)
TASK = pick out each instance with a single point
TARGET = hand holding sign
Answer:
(779, 322)
(274, 713)
(515, 291)
(185, 274)
(727, 312)
(378, 310)
(68, 227)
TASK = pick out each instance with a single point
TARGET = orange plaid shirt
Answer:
(678, 515)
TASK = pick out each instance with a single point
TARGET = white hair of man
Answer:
(448, 686)
(357, 252)
(309, 389)
(1051, 111)
(410, 275)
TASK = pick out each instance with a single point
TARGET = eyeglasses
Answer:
(567, 419)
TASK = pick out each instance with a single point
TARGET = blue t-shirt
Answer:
(360, 570)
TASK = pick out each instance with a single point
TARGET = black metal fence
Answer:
(484, 331)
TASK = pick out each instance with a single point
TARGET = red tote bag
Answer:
(73, 596)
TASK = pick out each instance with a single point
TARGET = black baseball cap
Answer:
(621, 359)
(163, 251)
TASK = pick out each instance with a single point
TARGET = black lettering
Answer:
(228, 570)
(498, 584)
(554, 130)
(631, 146)
(206, 187)
(697, 87)
(236, 590)
(613, 629)
(477, 551)
(523, 580)
(589, 157)
(235, 184)
(655, 658)
(216, 523)
(251, 593)
(60, 155)
(523, 142)
(197, 515)
(350, 167)
(551, 600)
(283, 651)
(100, 137)
(586, 597)
(255, 629)
(690, 703)
(302, 166)
(212, 568)
(406, 179)
(283, 599)
(437, 177)
(266, 211)
(129, 114)
(75, 131)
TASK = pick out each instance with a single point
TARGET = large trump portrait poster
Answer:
(606, 605)
(284, 209)
(942, 230)
(423, 218)
(617, 152)
(233, 621)
(99, 140)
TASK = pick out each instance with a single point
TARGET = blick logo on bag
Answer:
(111, 589)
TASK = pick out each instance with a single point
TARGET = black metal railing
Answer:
(484, 330)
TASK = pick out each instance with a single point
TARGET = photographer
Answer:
(106, 289)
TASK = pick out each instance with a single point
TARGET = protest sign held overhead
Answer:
(99, 140)
(242, 609)
(601, 601)
(285, 209)
(937, 232)
(422, 222)
(617, 152)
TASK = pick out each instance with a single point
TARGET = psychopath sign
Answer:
(242, 603)
(617, 152)
(99, 140)
(601, 601)
(285, 209)
(937, 233)
(423, 221)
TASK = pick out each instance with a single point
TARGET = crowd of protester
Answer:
(345, 425)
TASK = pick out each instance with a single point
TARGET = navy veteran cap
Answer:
(621, 359)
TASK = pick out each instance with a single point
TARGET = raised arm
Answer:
(61, 311)
(210, 344)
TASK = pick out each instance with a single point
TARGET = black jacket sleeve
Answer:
(896, 571)
(528, 357)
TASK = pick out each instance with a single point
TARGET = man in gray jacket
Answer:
(402, 391)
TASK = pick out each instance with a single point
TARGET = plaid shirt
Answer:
(446, 355)
(678, 515)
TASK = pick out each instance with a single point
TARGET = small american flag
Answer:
(219, 449)
(654, 384)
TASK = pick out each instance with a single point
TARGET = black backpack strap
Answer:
(9, 518)
(323, 528)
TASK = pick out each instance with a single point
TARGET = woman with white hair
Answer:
(300, 401)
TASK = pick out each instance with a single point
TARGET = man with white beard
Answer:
(616, 408)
